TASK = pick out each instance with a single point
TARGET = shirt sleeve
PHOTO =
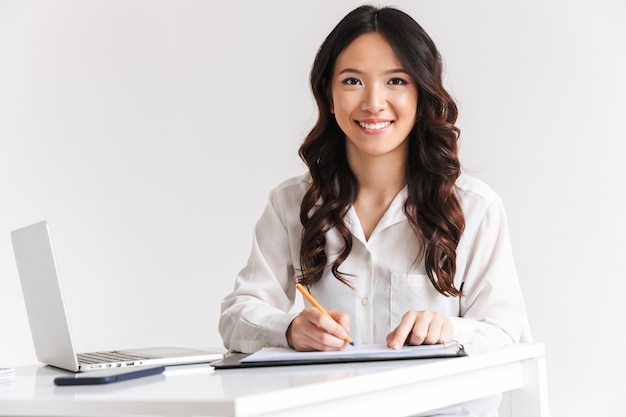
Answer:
(259, 310)
(492, 310)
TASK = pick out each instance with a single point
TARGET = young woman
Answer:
(384, 230)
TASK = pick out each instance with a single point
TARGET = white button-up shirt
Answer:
(388, 277)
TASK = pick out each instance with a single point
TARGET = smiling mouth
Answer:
(374, 126)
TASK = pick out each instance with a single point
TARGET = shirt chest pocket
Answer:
(410, 292)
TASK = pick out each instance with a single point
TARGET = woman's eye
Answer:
(351, 81)
(397, 81)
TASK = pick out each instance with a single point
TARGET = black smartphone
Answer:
(108, 376)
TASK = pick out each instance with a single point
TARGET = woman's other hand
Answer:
(420, 327)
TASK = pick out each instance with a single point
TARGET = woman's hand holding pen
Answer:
(313, 330)
(420, 327)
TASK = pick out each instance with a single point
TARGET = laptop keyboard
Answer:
(106, 357)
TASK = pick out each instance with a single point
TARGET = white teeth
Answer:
(374, 126)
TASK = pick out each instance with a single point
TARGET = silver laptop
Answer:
(49, 324)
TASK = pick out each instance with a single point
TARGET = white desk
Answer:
(395, 388)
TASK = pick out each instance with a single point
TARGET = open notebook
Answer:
(275, 356)
(49, 323)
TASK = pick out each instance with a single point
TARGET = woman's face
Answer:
(373, 98)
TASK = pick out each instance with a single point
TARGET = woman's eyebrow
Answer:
(356, 71)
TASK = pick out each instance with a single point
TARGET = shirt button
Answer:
(368, 256)
(365, 301)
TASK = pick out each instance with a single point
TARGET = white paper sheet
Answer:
(371, 351)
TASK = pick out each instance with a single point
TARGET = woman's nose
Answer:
(374, 100)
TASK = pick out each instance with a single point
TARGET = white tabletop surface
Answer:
(201, 390)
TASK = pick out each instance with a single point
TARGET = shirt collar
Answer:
(393, 215)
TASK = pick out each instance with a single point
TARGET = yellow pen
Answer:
(317, 305)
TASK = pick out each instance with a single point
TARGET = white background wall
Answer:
(148, 133)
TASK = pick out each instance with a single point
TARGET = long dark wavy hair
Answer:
(432, 207)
